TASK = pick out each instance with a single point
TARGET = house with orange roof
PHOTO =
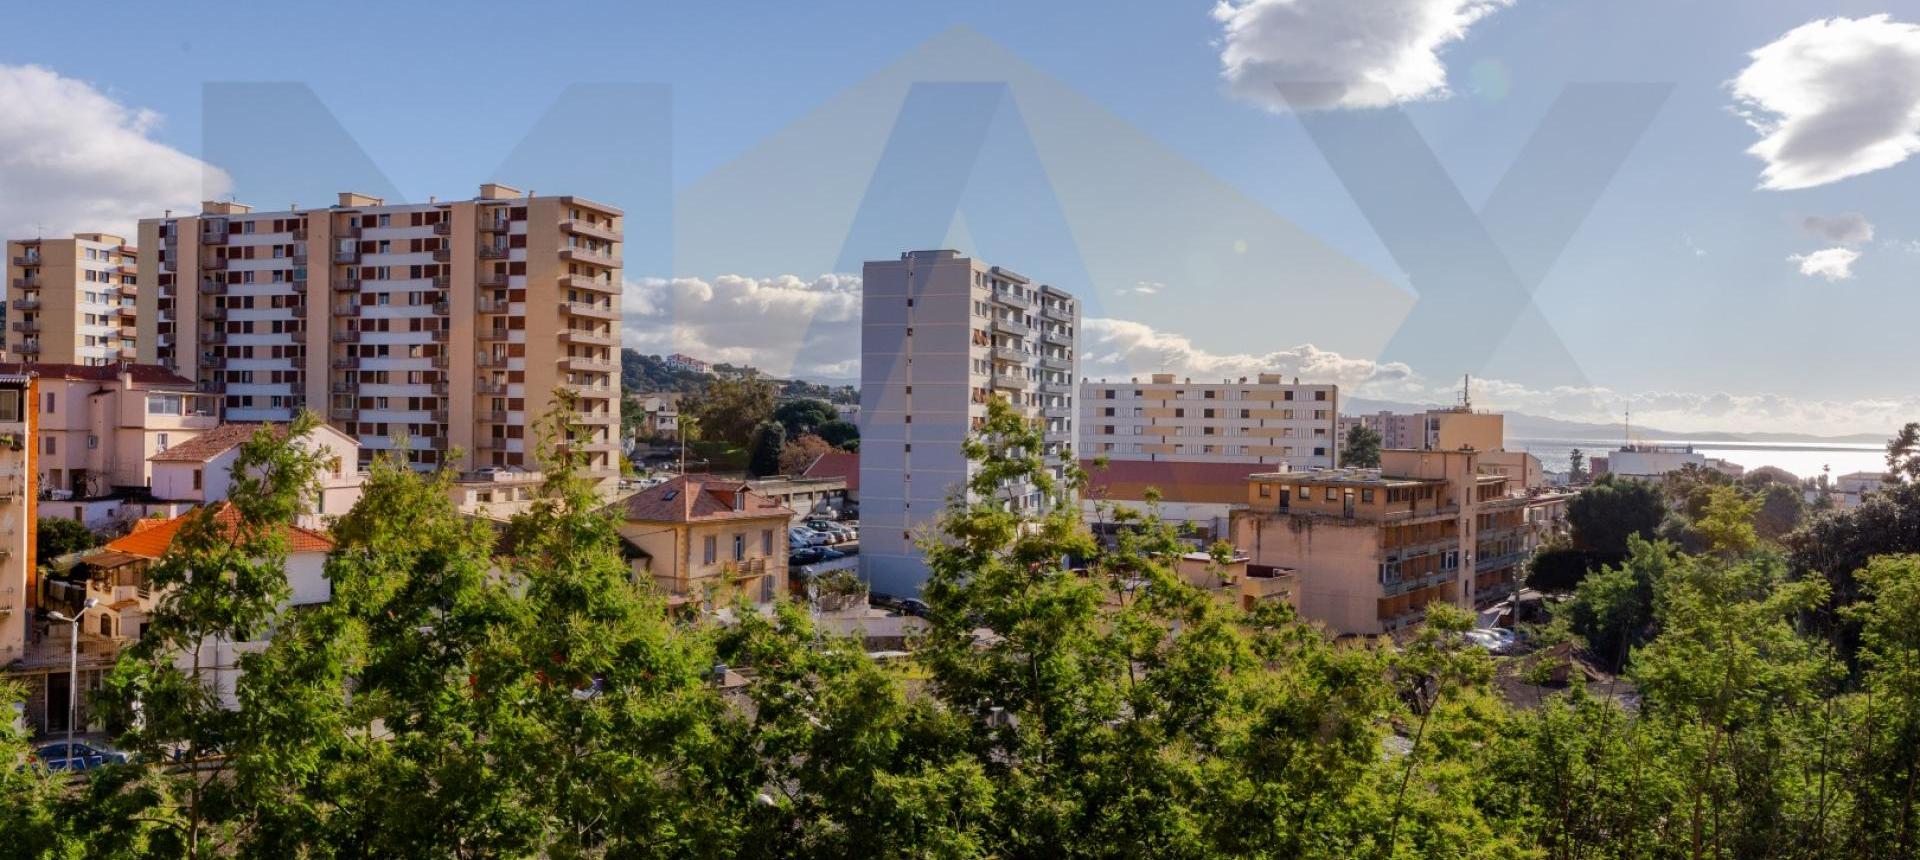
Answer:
(704, 541)
(201, 471)
(116, 578)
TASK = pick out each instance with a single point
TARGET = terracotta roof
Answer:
(152, 538)
(836, 464)
(1128, 480)
(210, 444)
(143, 374)
(686, 500)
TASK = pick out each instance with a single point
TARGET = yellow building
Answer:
(1373, 547)
(452, 324)
(1265, 420)
(71, 301)
(706, 541)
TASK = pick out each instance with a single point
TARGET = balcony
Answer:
(587, 309)
(491, 279)
(489, 388)
(494, 225)
(346, 231)
(27, 327)
(1056, 338)
(590, 418)
(299, 311)
(1054, 362)
(588, 365)
(1056, 312)
(1006, 326)
(1007, 298)
(29, 260)
(214, 236)
(493, 416)
(443, 255)
(442, 388)
(299, 261)
(493, 252)
(213, 336)
(128, 311)
(583, 227)
(26, 284)
(348, 336)
(214, 264)
(439, 416)
(1007, 353)
(346, 310)
(497, 333)
(212, 288)
(443, 228)
(346, 255)
(493, 306)
(347, 285)
(1010, 383)
(341, 413)
(26, 305)
(442, 361)
(1049, 387)
(341, 388)
(441, 282)
(438, 335)
(488, 359)
(442, 308)
(212, 312)
(128, 332)
(29, 347)
(347, 362)
(214, 362)
(588, 338)
(590, 257)
(299, 234)
(590, 284)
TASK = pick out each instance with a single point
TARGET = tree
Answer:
(1611, 510)
(731, 407)
(840, 434)
(32, 822)
(1361, 448)
(1783, 507)
(763, 451)
(1577, 467)
(1903, 453)
(803, 416)
(59, 536)
(800, 453)
(1834, 544)
(1612, 609)
(223, 580)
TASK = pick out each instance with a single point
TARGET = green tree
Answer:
(223, 580)
(840, 434)
(1577, 467)
(803, 416)
(1834, 544)
(798, 454)
(1612, 609)
(763, 451)
(59, 536)
(32, 820)
(1611, 510)
(731, 407)
(1361, 447)
(1783, 507)
(1903, 453)
(1887, 809)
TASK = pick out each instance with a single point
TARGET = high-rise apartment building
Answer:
(943, 335)
(1266, 420)
(450, 325)
(72, 301)
(1451, 429)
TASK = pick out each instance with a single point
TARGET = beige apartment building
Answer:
(19, 490)
(1373, 547)
(1449, 429)
(98, 426)
(707, 542)
(72, 301)
(1266, 420)
(438, 326)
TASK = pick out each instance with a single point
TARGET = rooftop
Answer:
(152, 538)
(691, 500)
(143, 374)
(210, 444)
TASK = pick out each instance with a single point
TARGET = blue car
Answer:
(58, 756)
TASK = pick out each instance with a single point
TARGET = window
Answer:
(9, 405)
(53, 443)
(710, 549)
(766, 541)
(196, 479)
(1333, 495)
(51, 400)
(739, 547)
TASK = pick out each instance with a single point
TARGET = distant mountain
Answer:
(1524, 426)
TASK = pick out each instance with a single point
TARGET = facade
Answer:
(1265, 421)
(1373, 547)
(941, 336)
(662, 412)
(442, 327)
(1449, 429)
(72, 301)
(200, 471)
(705, 542)
(1196, 497)
(678, 361)
(1851, 489)
(19, 490)
(496, 494)
(98, 425)
(1655, 462)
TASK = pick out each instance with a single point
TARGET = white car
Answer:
(805, 537)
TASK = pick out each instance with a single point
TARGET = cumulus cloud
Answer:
(1851, 228)
(1834, 264)
(783, 325)
(1833, 98)
(72, 159)
(1143, 288)
(1121, 349)
(1342, 53)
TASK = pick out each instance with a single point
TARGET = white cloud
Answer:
(1143, 288)
(1834, 264)
(1342, 53)
(1120, 349)
(783, 325)
(1851, 228)
(1833, 98)
(72, 159)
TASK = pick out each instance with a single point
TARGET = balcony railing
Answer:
(344, 255)
(493, 252)
(443, 228)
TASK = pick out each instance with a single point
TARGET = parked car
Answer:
(839, 531)
(814, 555)
(914, 606)
(80, 756)
(809, 536)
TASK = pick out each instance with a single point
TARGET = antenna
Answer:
(1626, 429)
(1466, 391)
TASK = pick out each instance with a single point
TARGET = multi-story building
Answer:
(682, 361)
(72, 301)
(19, 490)
(704, 542)
(439, 326)
(1649, 462)
(1450, 429)
(200, 472)
(1266, 421)
(1373, 547)
(98, 425)
(942, 336)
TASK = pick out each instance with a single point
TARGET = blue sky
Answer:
(1676, 294)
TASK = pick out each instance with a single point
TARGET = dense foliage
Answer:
(1361, 447)
(467, 694)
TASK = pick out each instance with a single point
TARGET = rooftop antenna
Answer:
(1466, 391)
(1626, 429)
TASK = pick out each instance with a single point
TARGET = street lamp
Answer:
(73, 671)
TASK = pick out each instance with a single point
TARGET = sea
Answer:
(1803, 459)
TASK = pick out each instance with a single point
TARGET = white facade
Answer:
(209, 481)
(942, 335)
(1657, 461)
(1266, 420)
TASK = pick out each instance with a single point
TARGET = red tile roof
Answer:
(687, 500)
(210, 444)
(143, 374)
(152, 538)
(836, 464)
(1204, 483)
